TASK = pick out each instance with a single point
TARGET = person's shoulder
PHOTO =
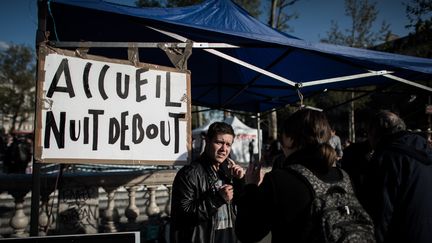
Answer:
(335, 174)
(191, 168)
(282, 171)
(285, 174)
(188, 173)
(409, 147)
(291, 183)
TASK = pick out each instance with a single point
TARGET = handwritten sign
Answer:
(104, 111)
(78, 210)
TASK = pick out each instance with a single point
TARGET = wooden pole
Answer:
(35, 198)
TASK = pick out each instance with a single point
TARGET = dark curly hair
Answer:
(219, 128)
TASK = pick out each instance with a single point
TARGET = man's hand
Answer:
(227, 192)
(236, 170)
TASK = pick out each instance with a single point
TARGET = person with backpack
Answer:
(400, 196)
(305, 199)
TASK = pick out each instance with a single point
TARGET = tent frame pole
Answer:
(369, 73)
(230, 58)
(345, 78)
(99, 44)
(384, 73)
(259, 135)
(210, 47)
(405, 81)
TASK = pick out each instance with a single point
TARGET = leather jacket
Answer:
(195, 201)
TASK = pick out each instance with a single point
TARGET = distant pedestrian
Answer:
(2, 146)
(18, 155)
(400, 196)
(251, 151)
(336, 143)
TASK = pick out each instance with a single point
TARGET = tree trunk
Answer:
(273, 116)
(273, 14)
(351, 119)
(13, 122)
(273, 131)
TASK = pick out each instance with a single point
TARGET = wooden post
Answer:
(34, 214)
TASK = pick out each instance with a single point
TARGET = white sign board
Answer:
(111, 112)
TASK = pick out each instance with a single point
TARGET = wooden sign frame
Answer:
(93, 109)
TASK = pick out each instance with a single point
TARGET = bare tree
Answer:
(363, 14)
(279, 16)
(17, 84)
(252, 6)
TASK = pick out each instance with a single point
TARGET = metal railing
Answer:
(87, 200)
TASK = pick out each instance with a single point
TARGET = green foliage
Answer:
(17, 83)
(419, 13)
(417, 44)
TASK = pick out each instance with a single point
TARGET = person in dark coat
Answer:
(400, 197)
(204, 192)
(280, 202)
(356, 162)
(2, 147)
(18, 155)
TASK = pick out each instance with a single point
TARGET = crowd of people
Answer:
(387, 180)
(377, 190)
(16, 151)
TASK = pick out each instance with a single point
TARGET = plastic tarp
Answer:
(240, 148)
(220, 83)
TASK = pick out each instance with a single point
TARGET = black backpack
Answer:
(337, 213)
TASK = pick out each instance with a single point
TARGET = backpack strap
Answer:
(320, 187)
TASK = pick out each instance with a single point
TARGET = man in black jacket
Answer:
(400, 198)
(204, 192)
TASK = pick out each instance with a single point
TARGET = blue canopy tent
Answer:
(236, 62)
